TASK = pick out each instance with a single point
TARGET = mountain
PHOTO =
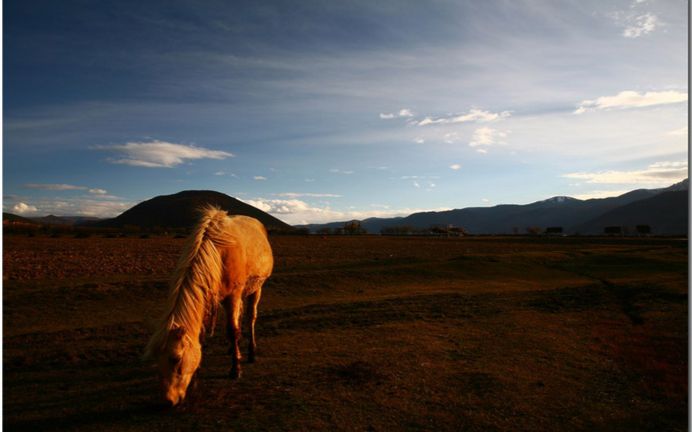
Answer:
(665, 213)
(180, 211)
(573, 215)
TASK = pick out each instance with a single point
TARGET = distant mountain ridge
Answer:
(180, 210)
(664, 210)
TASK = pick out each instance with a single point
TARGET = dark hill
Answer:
(180, 211)
(13, 218)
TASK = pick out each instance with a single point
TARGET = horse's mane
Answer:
(195, 284)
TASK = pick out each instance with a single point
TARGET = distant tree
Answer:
(643, 229)
(324, 231)
(439, 230)
(353, 228)
(612, 230)
(553, 230)
(458, 231)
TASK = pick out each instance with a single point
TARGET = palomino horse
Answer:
(225, 260)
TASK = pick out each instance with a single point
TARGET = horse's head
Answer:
(178, 362)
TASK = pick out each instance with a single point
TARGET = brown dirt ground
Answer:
(361, 334)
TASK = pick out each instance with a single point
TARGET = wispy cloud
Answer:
(259, 178)
(295, 211)
(160, 154)
(632, 99)
(64, 187)
(485, 136)
(53, 186)
(659, 173)
(404, 112)
(474, 115)
(340, 171)
(455, 167)
(679, 132)
(451, 137)
(640, 25)
(307, 194)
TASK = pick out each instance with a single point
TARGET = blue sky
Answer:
(318, 111)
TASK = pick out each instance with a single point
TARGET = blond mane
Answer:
(194, 288)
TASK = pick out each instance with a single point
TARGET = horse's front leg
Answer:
(234, 307)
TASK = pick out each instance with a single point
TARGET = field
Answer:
(363, 334)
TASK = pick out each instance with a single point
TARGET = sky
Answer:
(319, 111)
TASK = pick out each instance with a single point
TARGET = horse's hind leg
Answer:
(254, 299)
(234, 308)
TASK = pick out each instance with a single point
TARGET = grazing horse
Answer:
(225, 260)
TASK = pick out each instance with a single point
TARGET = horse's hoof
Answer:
(235, 374)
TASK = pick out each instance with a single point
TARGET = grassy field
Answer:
(362, 334)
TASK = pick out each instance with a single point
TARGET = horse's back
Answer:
(252, 249)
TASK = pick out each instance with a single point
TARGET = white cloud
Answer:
(160, 154)
(640, 25)
(419, 140)
(657, 174)
(259, 178)
(294, 211)
(98, 191)
(455, 166)
(485, 136)
(481, 151)
(474, 115)
(485, 200)
(387, 116)
(23, 208)
(632, 99)
(416, 185)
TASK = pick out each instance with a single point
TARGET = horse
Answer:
(225, 260)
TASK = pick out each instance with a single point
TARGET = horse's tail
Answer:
(193, 297)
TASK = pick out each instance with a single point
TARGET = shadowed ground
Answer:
(362, 333)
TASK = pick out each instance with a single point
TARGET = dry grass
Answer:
(362, 333)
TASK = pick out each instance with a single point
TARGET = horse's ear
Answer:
(178, 332)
